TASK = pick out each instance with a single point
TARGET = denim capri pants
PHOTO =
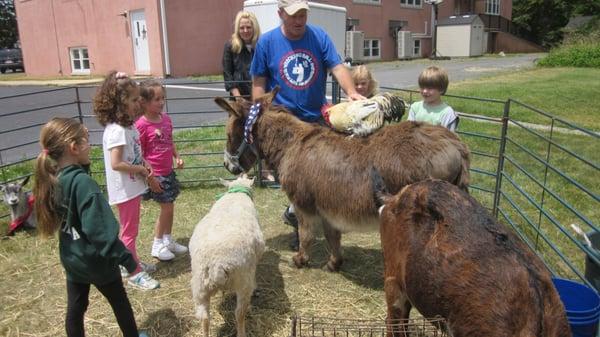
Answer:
(170, 186)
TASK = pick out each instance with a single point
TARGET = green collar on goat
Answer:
(236, 189)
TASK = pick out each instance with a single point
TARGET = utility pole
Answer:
(434, 4)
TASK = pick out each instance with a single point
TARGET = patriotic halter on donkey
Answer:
(248, 141)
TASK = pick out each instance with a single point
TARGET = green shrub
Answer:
(585, 54)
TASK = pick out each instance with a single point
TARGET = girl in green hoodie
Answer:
(70, 202)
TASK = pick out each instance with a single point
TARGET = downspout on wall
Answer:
(60, 68)
(165, 39)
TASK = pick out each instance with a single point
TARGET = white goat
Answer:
(20, 203)
(225, 248)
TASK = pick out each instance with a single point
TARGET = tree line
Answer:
(544, 20)
(8, 24)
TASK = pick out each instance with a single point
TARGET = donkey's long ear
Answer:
(268, 98)
(233, 108)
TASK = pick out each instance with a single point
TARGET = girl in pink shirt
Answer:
(158, 149)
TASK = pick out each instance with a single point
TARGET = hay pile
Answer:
(33, 292)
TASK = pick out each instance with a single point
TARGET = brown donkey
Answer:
(446, 256)
(326, 175)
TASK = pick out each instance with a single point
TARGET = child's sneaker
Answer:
(124, 272)
(176, 248)
(148, 267)
(143, 281)
(162, 252)
(142, 334)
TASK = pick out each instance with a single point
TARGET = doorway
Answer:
(139, 36)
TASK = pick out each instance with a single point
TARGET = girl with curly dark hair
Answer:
(117, 106)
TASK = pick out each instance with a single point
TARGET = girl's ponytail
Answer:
(55, 136)
(45, 191)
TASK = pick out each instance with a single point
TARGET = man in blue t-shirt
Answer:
(296, 57)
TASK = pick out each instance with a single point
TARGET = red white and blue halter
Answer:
(252, 118)
(248, 140)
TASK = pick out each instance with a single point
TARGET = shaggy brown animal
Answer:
(326, 175)
(446, 256)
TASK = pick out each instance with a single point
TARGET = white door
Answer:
(139, 35)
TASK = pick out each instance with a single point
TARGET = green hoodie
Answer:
(90, 249)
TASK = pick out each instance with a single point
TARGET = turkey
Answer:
(366, 116)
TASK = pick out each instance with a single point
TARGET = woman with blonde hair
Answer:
(237, 55)
(364, 82)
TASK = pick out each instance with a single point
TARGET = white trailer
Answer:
(331, 18)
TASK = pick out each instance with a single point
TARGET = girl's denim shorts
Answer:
(170, 187)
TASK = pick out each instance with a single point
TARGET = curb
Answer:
(59, 83)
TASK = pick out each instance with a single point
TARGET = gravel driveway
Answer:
(404, 74)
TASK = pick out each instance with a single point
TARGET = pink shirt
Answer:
(156, 139)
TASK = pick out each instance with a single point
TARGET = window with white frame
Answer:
(417, 47)
(411, 3)
(371, 49)
(80, 60)
(369, 2)
(492, 7)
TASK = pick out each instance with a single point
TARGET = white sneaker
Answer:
(148, 267)
(162, 253)
(124, 272)
(176, 248)
(143, 281)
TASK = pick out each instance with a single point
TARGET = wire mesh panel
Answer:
(337, 327)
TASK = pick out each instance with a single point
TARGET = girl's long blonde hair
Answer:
(236, 41)
(361, 72)
(55, 137)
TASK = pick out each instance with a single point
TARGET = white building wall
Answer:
(331, 18)
(453, 40)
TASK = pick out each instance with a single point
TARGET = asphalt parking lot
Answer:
(42, 100)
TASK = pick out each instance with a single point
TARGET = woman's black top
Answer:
(236, 69)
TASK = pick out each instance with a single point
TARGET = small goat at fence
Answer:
(20, 203)
(225, 249)
(446, 256)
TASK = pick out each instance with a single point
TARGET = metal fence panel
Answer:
(536, 178)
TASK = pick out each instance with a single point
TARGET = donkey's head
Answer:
(13, 193)
(241, 154)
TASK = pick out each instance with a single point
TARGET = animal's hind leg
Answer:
(202, 303)
(305, 232)
(398, 309)
(334, 243)
(243, 303)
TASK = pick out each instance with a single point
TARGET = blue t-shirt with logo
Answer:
(298, 67)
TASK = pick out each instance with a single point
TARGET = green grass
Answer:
(569, 93)
(33, 291)
(582, 54)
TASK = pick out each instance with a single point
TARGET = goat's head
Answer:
(13, 193)
(241, 181)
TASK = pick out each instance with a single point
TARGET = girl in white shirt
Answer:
(117, 106)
